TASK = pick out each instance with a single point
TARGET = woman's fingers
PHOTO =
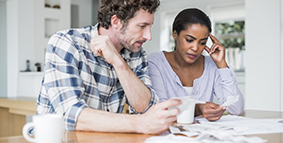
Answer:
(213, 39)
(207, 49)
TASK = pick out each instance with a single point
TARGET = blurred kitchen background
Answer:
(250, 30)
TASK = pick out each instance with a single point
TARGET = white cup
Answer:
(47, 129)
(187, 116)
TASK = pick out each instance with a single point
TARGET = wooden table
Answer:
(89, 137)
(13, 112)
(97, 137)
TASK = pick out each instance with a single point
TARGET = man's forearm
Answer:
(136, 91)
(101, 121)
(154, 121)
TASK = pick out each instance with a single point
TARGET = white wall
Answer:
(263, 55)
(281, 30)
(85, 12)
(3, 50)
(12, 48)
(95, 6)
(27, 36)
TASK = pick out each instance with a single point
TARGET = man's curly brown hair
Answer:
(123, 9)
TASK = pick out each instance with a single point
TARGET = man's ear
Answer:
(175, 35)
(116, 23)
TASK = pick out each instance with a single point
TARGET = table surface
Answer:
(89, 137)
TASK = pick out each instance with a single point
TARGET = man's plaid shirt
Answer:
(75, 78)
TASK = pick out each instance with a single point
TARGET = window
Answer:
(228, 25)
(231, 35)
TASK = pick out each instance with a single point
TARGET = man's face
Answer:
(137, 31)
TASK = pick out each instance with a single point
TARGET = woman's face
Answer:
(191, 42)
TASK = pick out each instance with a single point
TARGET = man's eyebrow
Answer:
(145, 23)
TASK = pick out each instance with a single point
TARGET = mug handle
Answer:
(25, 131)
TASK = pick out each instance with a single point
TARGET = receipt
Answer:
(186, 102)
(230, 100)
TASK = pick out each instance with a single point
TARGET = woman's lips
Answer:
(192, 56)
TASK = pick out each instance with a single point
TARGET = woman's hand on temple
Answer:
(217, 52)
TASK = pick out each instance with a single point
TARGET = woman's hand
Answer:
(217, 52)
(211, 111)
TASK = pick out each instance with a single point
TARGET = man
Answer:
(90, 73)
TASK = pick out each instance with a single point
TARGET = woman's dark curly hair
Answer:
(123, 9)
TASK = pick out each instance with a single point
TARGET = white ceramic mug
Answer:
(187, 116)
(47, 128)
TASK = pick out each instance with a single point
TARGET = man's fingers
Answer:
(168, 103)
(173, 112)
(96, 46)
(171, 119)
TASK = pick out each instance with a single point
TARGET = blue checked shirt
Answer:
(75, 78)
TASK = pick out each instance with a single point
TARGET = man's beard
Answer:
(123, 41)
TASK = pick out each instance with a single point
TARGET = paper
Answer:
(175, 130)
(170, 139)
(230, 100)
(228, 129)
(205, 137)
(238, 125)
(186, 102)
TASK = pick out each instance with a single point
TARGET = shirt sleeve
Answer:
(62, 85)
(157, 80)
(226, 85)
(142, 73)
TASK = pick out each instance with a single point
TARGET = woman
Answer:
(186, 72)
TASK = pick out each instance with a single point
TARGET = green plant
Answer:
(231, 34)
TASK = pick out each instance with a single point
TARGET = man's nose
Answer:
(147, 34)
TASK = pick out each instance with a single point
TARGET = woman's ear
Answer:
(116, 23)
(175, 35)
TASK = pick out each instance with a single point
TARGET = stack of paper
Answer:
(238, 125)
(229, 129)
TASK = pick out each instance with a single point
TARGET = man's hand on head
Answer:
(102, 46)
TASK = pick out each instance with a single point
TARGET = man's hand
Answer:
(211, 111)
(103, 46)
(158, 119)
